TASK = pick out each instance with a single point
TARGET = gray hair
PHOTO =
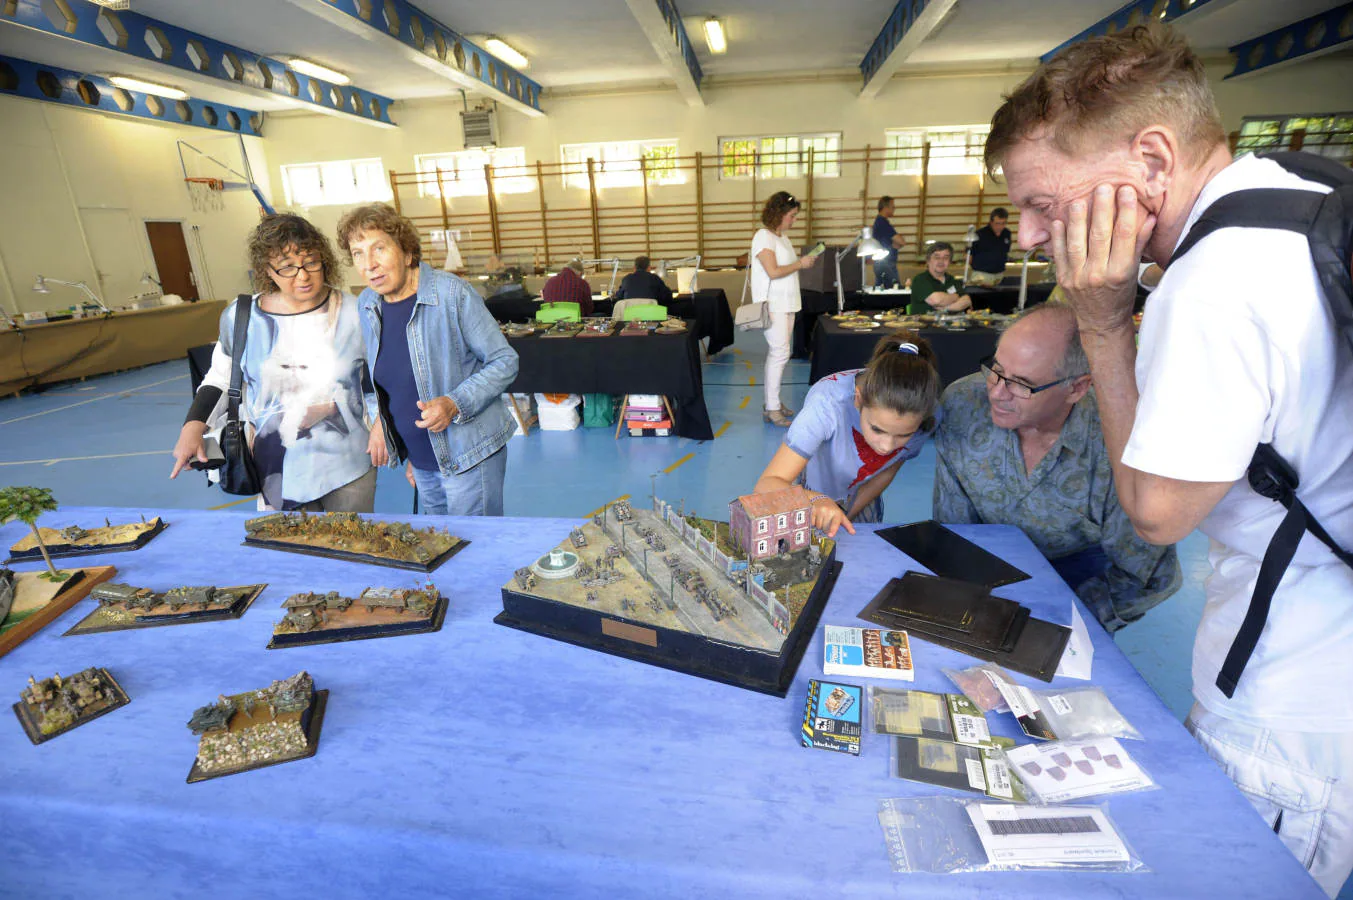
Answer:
(576, 265)
(1073, 361)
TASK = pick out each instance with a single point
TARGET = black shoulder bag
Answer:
(239, 475)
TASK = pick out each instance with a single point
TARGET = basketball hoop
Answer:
(207, 194)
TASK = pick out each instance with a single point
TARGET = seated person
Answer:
(991, 251)
(642, 283)
(856, 430)
(935, 290)
(1019, 443)
(569, 286)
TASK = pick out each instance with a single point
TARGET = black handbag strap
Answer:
(243, 303)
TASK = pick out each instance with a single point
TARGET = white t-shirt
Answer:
(781, 293)
(1238, 348)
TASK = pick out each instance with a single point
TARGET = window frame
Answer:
(336, 171)
(475, 185)
(970, 162)
(825, 165)
(623, 158)
(1286, 124)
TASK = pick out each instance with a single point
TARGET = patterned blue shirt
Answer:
(1067, 505)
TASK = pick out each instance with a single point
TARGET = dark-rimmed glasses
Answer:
(313, 265)
(1017, 388)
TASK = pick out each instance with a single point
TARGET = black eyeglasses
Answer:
(313, 265)
(1017, 388)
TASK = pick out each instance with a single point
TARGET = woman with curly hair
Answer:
(775, 280)
(439, 367)
(303, 366)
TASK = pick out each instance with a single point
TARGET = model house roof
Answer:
(775, 502)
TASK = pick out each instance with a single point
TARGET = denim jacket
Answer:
(458, 352)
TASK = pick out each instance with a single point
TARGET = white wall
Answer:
(75, 189)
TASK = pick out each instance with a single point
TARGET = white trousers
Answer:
(779, 338)
(1300, 782)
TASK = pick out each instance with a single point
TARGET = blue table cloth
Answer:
(488, 762)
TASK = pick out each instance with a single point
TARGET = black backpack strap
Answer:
(242, 307)
(1290, 210)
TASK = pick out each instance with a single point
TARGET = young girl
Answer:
(856, 429)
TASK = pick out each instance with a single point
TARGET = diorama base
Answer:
(680, 651)
(30, 727)
(358, 557)
(233, 611)
(70, 592)
(312, 729)
(365, 632)
(35, 555)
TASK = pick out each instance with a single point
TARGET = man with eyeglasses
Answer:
(1019, 443)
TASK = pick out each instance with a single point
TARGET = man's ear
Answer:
(1156, 151)
(1079, 388)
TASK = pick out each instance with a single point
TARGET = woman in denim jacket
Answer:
(439, 365)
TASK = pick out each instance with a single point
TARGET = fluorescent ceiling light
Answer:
(506, 53)
(147, 87)
(714, 35)
(315, 70)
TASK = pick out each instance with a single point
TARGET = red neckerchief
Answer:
(871, 460)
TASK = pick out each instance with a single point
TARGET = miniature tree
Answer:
(25, 504)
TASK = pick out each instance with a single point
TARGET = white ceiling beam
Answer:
(661, 23)
(906, 29)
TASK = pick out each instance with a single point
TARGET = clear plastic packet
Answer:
(1064, 771)
(1083, 712)
(963, 767)
(947, 835)
(978, 687)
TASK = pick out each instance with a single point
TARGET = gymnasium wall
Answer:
(75, 189)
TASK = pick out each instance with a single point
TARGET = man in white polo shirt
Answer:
(1111, 151)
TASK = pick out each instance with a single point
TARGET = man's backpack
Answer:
(1327, 222)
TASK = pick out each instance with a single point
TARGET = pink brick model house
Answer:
(768, 524)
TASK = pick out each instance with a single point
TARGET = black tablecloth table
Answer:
(836, 349)
(712, 316)
(667, 364)
(515, 307)
(1005, 299)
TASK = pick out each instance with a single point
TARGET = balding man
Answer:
(1019, 443)
(1112, 151)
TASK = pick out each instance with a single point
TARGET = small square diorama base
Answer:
(64, 551)
(30, 727)
(365, 632)
(53, 599)
(89, 624)
(359, 557)
(314, 721)
(680, 651)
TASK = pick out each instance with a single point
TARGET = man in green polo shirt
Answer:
(935, 290)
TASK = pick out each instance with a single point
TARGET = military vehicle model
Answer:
(212, 717)
(348, 535)
(57, 704)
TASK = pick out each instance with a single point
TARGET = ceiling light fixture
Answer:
(507, 53)
(714, 36)
(147, 87)
(315, 70)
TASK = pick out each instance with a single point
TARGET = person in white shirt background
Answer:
(775, 269)
(1112, 172)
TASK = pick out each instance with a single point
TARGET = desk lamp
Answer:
(40, 286)
(967, 266)
(615, 269)
(1024, 278)
(869, 249)
(665, 264)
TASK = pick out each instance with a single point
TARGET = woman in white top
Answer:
(303, 364)
(775, 280)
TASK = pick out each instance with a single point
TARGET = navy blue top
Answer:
(397, 388)
(991, 251)
(883, 233)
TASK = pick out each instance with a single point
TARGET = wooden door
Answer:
(170, 250)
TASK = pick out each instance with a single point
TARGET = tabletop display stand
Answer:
(680, 592)
(278, 724)
(53, 706)
(347, 536)
(76, 541)
(377, 612)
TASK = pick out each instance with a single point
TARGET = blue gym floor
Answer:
(106, 442)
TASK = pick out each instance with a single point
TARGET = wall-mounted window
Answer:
(1328, 135)
(954, 149)
(762, 526)
(799, 517)
(463, 172)
(616, 163)
(336, 183)
(780, 155)
(760, 546)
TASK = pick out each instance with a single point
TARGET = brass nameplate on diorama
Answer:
(646, 636)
